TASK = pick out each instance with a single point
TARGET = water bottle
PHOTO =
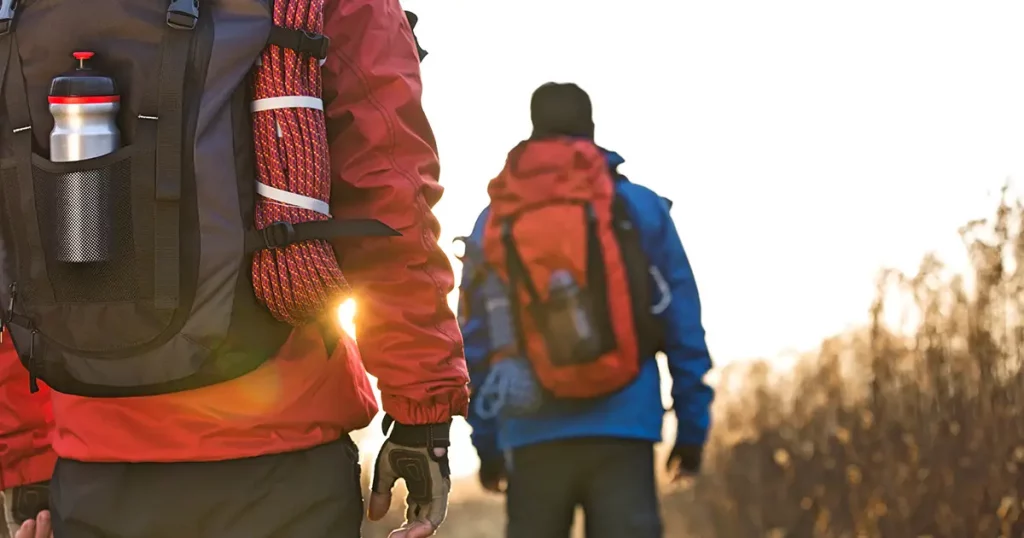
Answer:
(572, 337)
(500, 325)
(84, 104)
(511, 388)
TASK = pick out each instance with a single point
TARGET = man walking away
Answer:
(596, 281)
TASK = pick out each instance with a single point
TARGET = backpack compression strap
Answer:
(281, 234)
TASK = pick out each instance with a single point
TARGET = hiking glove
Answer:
(685, 458)
(493, 474)
(418, 455)
(25, 502)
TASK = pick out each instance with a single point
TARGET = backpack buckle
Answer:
(314, 44)
(300, 41)
(278, 234)
(183, 14)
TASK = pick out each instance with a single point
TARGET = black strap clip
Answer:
(278, 234)
(300, 41)
(183, 14)
(7, 10)
(282, 234)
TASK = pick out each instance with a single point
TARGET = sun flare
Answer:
(346, 316)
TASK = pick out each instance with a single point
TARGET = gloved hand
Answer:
(25, 502)
(418, 455)
(684, 460)
(493, 474)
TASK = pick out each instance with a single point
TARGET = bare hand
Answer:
(39, 527)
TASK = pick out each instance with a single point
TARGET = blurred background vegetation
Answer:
(908, 427)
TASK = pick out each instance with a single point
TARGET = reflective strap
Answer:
(663, 288)
(288, 101)
(292, 199)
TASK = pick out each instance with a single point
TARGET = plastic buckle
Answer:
(7, 11)
(183, 14)
(465, 247)
(314, 44)
(279, 234)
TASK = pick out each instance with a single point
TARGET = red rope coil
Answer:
(299, 281)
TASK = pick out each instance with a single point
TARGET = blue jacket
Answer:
(635, 412)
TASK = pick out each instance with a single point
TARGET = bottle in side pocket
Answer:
(570, 321)
(84, 104)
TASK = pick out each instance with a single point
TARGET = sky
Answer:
(805, 144)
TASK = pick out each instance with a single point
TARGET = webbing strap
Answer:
(281, 234)
(167, 209)
(287, 101)
(517, 272)
(597, 279)
(21, 192)
(292, 199)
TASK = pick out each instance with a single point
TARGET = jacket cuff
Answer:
(35, 468)
(438, 410)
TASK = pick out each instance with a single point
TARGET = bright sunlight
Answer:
(346, 316)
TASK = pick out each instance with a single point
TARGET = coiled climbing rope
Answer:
(296, 282)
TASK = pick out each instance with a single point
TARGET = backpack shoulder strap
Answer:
(638, 271)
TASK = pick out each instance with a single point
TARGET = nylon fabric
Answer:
(26, 421)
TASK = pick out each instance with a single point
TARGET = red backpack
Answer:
(573, 264)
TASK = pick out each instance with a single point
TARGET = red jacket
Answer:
(26, 421)
(384, 165)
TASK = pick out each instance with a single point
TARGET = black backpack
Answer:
(174, 307)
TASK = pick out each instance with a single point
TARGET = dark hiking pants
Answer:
(312, 493)
(612, 479)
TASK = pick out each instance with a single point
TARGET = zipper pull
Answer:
(33, 384)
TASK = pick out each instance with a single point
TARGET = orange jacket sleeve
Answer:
(26, 421)
(385, 166)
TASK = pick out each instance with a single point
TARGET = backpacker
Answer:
(578, 278)
(173, 306)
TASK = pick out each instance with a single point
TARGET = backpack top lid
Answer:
(568, 170)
